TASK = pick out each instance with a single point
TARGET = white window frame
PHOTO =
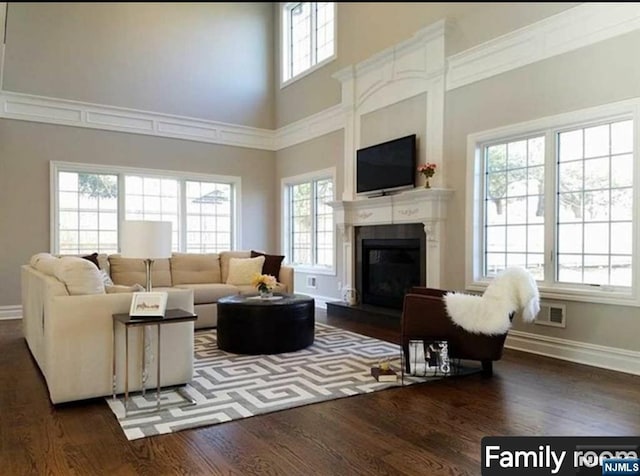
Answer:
(286, 183)
(56, 167)
(550, 126)
(286, 77)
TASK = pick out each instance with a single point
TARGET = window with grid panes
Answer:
(308, 33)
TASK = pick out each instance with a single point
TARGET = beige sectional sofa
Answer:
(68, 324)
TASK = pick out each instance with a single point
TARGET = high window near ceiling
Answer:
(558, 201)
(89, 203)
(308, 37)
(309, 238)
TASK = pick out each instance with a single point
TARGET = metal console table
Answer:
(172, 316)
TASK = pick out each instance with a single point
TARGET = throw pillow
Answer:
(272, 263)
(242, 270)
(93, 257)
(106, 279)
(79, 276)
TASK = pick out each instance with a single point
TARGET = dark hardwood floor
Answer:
(429, 429)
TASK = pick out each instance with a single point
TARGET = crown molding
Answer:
(579, 26)
(574, 28)
(316, 125)
(28, 107)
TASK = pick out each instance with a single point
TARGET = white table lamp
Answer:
(147, 240)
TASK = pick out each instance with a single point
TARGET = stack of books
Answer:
(384, 375)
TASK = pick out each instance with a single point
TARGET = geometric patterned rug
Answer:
(230, 386)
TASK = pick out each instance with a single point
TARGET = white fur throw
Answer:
(512, 290)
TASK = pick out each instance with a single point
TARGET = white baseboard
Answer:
(611, 358)
(10, 312)
(321, 301)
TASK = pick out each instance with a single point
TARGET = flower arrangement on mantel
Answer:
(264, 283)
(428, 170)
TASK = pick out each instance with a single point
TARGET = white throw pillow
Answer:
(45, 263)
(242, 270)
(106, 279)
(79, 275)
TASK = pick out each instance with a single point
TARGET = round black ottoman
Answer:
(252, 325)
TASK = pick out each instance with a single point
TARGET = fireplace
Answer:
(390, 259)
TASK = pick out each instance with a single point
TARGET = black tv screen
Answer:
(386, 166)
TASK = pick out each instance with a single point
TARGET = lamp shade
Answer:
(145, 239)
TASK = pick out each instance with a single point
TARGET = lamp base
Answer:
(148, 263)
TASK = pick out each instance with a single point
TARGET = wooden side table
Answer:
(172, 316)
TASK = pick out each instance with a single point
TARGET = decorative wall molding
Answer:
(326, 121)
(427, 206)
(611, 358)
(10, 312)
(411, 67)
(571, 29)
(28, 107)
(415, 66)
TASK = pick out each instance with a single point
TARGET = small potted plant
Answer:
(265, 284)
(428, 170)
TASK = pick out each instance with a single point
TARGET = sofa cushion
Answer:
(79, 275)
(272, 263)
(195, 268)
(243, 270)
(225, 256)
(129, 271)
(209, 293)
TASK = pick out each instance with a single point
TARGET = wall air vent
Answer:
(552, 314)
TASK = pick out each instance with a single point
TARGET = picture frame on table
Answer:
(148, 304)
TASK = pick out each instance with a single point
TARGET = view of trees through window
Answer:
(88, 210)
(592, 217)
(311, 223)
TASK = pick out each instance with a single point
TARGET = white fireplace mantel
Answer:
(420, 205)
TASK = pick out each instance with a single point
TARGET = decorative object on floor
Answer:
(429, 358)
(384, 374)
(512, 290)
(428, 170)
(350, 296)
(228, 387)
(265, 284)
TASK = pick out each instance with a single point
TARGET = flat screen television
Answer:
(387, 166)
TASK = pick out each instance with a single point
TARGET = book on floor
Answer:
(386, 375)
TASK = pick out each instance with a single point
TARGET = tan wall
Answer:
(27, 148)
(317, 154)
(366, 28)
(590, 76)
(206, 60)
(398, 120)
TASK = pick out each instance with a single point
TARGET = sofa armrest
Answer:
(286, 278)
(425, 315)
